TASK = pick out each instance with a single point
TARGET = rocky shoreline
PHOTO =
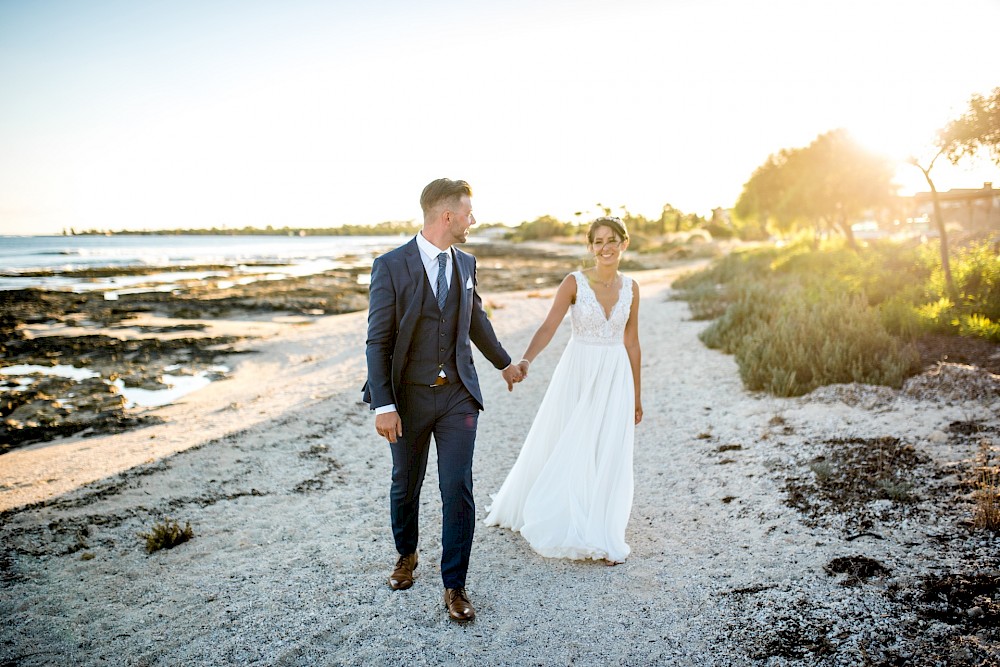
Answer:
(137, 334)
(132, 337)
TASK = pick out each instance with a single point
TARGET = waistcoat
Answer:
(433, 347)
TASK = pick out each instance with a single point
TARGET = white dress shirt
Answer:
(429, 255)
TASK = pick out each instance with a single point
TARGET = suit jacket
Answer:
(397, 289)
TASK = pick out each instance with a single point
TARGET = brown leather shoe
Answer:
(402, 577)
(459, 607)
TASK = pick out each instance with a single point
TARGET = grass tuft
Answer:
(822, 470)
(166, 535)
(987, 511)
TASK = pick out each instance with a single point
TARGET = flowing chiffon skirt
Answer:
(569, 493)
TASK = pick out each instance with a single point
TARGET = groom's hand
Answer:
(389, 425)
(512, 374)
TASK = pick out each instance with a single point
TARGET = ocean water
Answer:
(289, 255)
(242, 259)
(79, 252)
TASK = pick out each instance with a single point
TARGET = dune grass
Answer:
(798, 317)
(166, 534)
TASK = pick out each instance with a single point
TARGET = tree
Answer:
(670, 217)
(828, 185)
(938, 222)
(765, 195)
(978, 128)
(544, 227)
(843, 180)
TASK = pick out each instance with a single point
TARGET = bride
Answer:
(569, 493)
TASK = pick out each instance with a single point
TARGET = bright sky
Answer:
(200, 113)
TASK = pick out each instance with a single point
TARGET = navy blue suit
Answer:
(410, 339)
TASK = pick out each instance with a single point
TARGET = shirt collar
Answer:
(428, 249)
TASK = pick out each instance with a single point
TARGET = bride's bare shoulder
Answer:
(567, 288)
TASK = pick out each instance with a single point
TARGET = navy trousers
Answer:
(450, 414)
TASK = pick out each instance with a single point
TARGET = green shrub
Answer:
(979, 326)
(737, 266)
(893, 271)
(895, 490)
(798, 317)
(639, 243)
(752, 309)
(719, 231)
(938, 316)
(900, 318)
(976, 272)
(166, 535)
(705, 301)
(823, 471)
(808, 345)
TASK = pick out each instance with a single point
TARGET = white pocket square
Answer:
(468, 283)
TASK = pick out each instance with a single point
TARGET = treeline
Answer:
(545, 227)
(671, 220)
(834, 182)
(388, 228)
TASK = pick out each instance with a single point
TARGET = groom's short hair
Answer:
(442, 189)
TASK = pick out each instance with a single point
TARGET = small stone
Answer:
(975, 612)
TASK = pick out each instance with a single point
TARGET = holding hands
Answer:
(516, 373)
(512, 374)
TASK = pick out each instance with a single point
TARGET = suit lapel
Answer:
(415, 269)
(463, 264)
(409, 300)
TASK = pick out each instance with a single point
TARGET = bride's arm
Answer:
(633, 349)
(565, 296)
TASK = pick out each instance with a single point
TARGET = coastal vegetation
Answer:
(166, 534)
(544, 227)
(797, 316)
(641, 229)
(824, 308)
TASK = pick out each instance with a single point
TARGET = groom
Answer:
(423, 314)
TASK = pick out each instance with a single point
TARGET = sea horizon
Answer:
(62, 262)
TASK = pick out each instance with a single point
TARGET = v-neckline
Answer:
(607, 313)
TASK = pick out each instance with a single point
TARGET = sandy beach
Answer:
(739, 554)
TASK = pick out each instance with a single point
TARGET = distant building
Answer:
(972, 209)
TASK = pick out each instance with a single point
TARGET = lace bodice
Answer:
(589, 323)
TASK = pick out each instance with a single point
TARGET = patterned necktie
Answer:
(442, 281)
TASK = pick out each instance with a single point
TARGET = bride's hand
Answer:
(638, 412)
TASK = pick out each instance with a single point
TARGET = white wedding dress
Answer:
(569, 493)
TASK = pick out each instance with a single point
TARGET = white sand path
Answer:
(285, 484)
